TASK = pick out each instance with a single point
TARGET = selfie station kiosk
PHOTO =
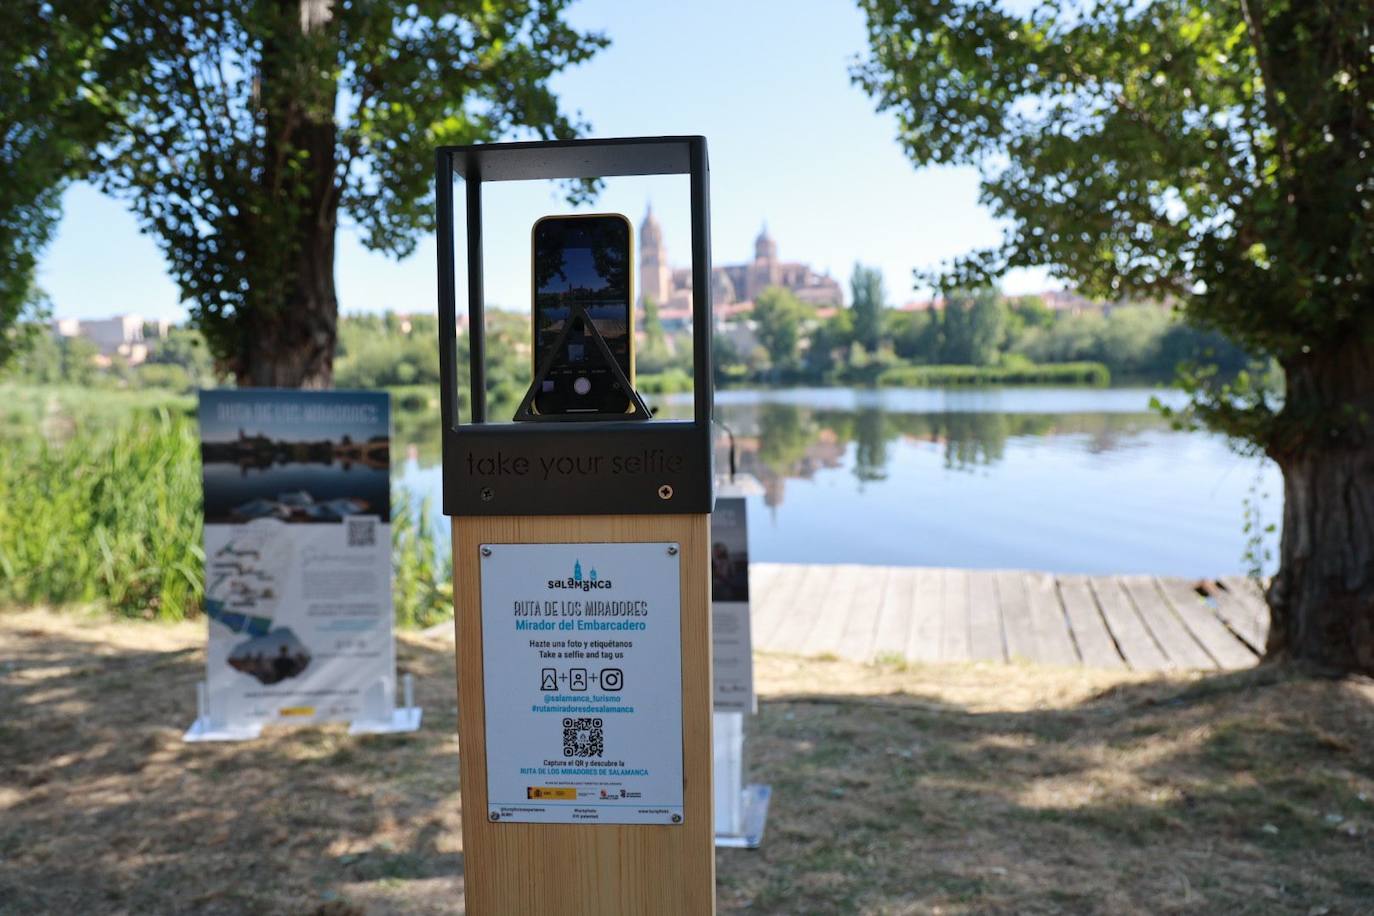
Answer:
(582, 591)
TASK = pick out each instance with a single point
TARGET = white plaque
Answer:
(582, 669)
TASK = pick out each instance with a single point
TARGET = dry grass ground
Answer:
(946, 789)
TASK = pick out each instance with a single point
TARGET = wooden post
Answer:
(592, 869)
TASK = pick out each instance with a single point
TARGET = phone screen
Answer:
(582, 260)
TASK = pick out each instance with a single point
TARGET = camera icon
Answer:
(612, 679)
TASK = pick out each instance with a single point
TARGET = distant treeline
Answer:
(978, 337)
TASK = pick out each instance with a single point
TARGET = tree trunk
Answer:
(293, 346)
(1322, 600)
(289, 343)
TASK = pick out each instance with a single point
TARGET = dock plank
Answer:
(1215, 636)
(1094, 641)
(763, 579)
(1253, 607)
(1146, 623)
(1049, 626)
(895, 614)
(1016, 621)
(761, 576)
(1168, 630)
(985, 618)
(1132, 638)
(858, 641)
(836, 607)
(954, 616)
(923, 640)
(771, 604)
(802, 612)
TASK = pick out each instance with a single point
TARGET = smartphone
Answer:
(583, 260)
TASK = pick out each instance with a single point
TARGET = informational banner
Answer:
(582, 669)
(732, 660)
(297, 556)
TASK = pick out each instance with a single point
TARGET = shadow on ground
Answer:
(896, 790)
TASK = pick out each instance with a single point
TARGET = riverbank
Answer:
(100, 503)
(968, 788)
(1016, 372)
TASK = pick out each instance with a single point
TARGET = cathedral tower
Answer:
(655, 276)
(764, 272)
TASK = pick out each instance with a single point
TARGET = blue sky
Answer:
(791, 142)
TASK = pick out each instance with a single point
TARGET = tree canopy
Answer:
(779, 316)
(51, 114)
(253, 127)
(868, 304)
(1217, 154)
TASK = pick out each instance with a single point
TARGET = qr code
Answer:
(362, 532)
(583, 738)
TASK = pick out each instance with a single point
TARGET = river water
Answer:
(1055, 479)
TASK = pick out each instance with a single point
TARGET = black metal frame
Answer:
(652, 467)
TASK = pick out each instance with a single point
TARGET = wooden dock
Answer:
(1142, 623)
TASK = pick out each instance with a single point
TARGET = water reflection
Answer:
(1055, 479)
(777, 440)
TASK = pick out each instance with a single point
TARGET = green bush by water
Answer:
(108, 511)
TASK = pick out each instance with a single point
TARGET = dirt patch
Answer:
(939, 789)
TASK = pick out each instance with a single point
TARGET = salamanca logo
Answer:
(578, 581)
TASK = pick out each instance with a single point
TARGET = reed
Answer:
(422, 563)
(109, 514)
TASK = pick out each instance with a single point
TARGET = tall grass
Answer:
(111, 515)
(108, 512)
(422, 564)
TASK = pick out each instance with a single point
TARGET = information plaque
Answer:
(581, 659)
(732, 650)
(297, 543)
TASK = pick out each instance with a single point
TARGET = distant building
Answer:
(732, 285)
(123, 335)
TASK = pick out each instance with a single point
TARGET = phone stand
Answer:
(578, 314)
(532, 503)
(598, 464)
